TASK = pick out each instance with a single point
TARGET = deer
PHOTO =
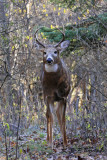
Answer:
(55, 80)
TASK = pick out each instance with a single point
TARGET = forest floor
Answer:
(32, 145)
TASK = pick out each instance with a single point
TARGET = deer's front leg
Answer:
(61, 110)
(49, 115)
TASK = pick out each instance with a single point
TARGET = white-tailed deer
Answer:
(56, 85)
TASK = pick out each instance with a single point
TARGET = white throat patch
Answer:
(51, 68)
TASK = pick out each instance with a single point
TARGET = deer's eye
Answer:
(44, 53)
(55, 52)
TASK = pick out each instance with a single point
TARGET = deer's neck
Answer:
(51, 68)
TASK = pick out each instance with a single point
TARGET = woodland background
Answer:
(22, 110)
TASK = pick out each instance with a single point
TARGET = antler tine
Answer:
(62, 38)
(37, 38)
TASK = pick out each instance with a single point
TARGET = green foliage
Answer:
(6, 125)
(42, 135)
(67, 3)
(76, 5)
(100, 147)
(91, 29)
(44, 142)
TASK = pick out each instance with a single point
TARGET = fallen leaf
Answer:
(13, 144)
(0, 138)
(2, 158)
(59, 158)
(80, 158)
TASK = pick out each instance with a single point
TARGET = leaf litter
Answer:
(33, 146)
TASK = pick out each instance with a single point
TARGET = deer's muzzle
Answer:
(49, 60)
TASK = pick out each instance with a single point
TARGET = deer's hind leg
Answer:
(60, 112)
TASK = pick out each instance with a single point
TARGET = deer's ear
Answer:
(64, 45)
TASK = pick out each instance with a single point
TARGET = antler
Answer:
(43, 44)
(37, 38)
(62, 38)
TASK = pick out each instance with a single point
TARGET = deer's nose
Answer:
(49, 60)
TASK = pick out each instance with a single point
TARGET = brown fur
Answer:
(56, 85)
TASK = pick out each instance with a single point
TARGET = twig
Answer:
(18, 128)
(6, 146)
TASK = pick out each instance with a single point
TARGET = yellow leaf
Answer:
(44, 10)
(26, 45)
(27, 117)
(84, 15)
(6, 15)
(58, 13)
(13, 48)
(64, 10)
(31, 37)
(79, 18)
(46, 15)
(43, 5)
(36, 116)
(20, 150)
(88, 11)
(20, 1)
(14, 104)
(54, 9)
(33, 118)
(24, 10)
(52, 26)
(89, 140)
(27, 37)
(20, 11)
(59, 8)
